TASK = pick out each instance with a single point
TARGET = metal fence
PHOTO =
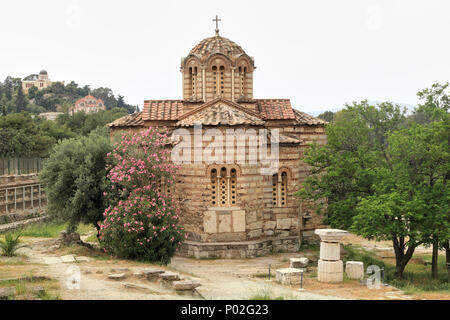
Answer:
(16, 166)
(22, 197)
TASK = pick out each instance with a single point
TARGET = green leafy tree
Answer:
(32, 92)
(435, 108)
(19, 101)
(4, 105)
(342, 171)
(327, 116)
(74, 176)
(410, 203)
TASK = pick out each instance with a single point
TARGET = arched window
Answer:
(242, 75)
(279, 189)
(219, 76)
(193, 80)
(223, 187)
(222, 75)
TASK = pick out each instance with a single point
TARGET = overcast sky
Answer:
(320, 54)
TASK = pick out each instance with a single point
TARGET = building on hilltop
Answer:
(87, 104)
(40, 81)
(229, 208)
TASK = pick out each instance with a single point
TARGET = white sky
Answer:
(320, 54)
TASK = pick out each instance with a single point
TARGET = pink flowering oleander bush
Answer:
(142, 220)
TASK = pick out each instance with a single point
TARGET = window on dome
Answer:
(214, 70)
(222, 72)
(242, 75)
(193, 80)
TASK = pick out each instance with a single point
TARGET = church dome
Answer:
(43, 72)
(217, 44)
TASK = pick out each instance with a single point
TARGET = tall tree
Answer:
(74, 176)
(435, 107)
(410, 203)
(19, 101)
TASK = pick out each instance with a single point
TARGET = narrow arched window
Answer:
(222, 76)
(214, 187)
(233, 187)
(216, 82)
(242, 75)
(193, 80)
(223, 188)
(279, 189)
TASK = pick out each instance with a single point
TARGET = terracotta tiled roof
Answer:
(275, 109)
(220, 114)
(162, 109)
(131, 120)
(282, 139)
(87, 100)
(304, 118)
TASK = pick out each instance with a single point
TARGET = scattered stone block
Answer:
(82, 259)
(151, 274)
(5, 293)
(134, 286)
(52, 260)
(186, 285)
(354, 270)
(119, 270)
(68, 259)
(288, 276)
(298, 262)
(118, 276)
(169, 276)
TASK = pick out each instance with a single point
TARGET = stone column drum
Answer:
(330, 267)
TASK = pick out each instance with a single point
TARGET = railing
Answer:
(17, 166)
(22, 197)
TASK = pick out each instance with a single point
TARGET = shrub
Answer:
(75, 177)
(11, 244)
(142, 221)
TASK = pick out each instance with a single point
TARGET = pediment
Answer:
(220, 112)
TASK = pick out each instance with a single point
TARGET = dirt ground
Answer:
(220, 279)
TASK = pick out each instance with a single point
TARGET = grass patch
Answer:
(265, 294)
(43, 230)
(416, 277)
(50, 229)
(209, 258)
(309, 247)
(24, 287)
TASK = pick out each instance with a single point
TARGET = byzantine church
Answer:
(231, 210)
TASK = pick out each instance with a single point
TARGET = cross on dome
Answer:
(217, 24)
